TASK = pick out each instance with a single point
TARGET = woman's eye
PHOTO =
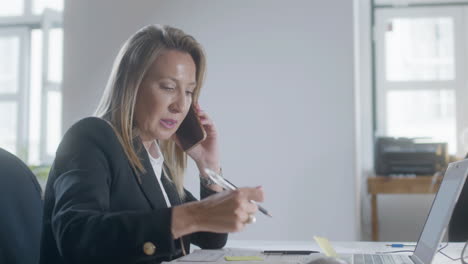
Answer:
(189, 93)
(167, 87)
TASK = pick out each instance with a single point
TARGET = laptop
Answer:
(436, 222)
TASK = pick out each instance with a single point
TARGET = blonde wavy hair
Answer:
(118, 101)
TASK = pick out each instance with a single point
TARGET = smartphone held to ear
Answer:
(190, 132)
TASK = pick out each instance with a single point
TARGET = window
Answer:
(421, 74)
(31, 41)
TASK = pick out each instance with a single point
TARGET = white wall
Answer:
(364, 110)
(280, 88)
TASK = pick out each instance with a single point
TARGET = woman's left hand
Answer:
(206, 154)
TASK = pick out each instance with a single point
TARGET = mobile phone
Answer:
(190, 132)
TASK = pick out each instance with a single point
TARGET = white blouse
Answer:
(157, 163)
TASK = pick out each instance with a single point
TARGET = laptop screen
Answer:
(441, 211)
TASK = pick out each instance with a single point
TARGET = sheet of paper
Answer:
(218, 256)
(243, 258)
(203, 256)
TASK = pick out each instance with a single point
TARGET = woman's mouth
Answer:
(168, 123)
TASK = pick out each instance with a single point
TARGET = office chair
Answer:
(458, 226)
(21, 212)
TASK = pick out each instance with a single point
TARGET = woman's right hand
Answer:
(224, 212)
(228, 211)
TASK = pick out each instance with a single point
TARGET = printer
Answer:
(420, 156)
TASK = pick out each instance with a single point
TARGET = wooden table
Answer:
(397, 185)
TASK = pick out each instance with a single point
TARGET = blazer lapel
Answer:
(149, 184)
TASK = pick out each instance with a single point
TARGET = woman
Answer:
(115, 192)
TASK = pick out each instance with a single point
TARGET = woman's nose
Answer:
(179, 104)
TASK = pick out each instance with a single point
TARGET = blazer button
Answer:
(149, 248)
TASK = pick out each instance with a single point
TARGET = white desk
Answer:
(453, 250)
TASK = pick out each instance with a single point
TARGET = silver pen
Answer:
(229, 186)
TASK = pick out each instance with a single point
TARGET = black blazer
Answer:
(97, 211)
(21, 207)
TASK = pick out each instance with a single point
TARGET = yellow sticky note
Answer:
(243, 258)
(326, 247)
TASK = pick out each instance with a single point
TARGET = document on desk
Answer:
(203, 256)
(238, 256)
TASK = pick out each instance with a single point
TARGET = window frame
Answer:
(20, 96)
(24, 24)
(458, 84)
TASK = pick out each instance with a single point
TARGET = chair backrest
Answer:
(458, 226)
(21, 212)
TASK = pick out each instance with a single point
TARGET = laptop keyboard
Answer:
(381, 259)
